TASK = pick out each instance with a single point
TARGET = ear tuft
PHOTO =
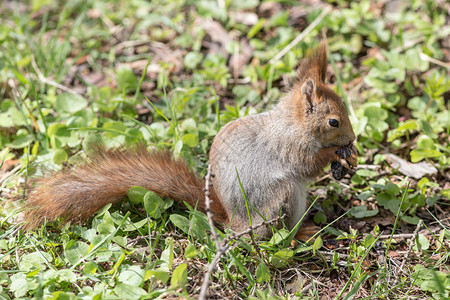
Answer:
(314, 65)
(309, 95)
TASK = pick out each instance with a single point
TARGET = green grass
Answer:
(125, 72)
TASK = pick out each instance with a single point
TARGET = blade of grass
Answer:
(141, 80)
(358, 266)
(294, 230)
(245, 198)
(388, 246)
(243, 269)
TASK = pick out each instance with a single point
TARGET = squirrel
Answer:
(273, 155)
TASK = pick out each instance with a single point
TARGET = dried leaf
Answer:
(218, 35)
(9, 164)
(239, 59)
(417, 170)
(269, 8)
(393, 254)
(246, 18)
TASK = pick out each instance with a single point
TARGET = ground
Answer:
(170, 74)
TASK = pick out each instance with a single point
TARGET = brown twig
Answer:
(410, 244)
(45, 80)
(406, 235)
(235, 236)
(211, 267)
(208, 206)
(223, 249)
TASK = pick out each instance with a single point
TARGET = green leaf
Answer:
(131, 275)
(192, 59)
(428, 129)
(279, 237)
(425, 142)
(393, 206)
(75, 252)
(421, 243)
(134, 226)
(367, 173)
(419, 154)
(417, 104)
(190, 251)
(318, 243)
(136, 194)
(392, 188)
(60, 156)
(242, 269)
(126, 79)
(177, 148)
(53, 129)
(413, 60)
(375, 113)
(90, 268)
(408, 125)
(320, 217)
(384, 198)
(262, 273)
(35, 260)
(281, 258)
(69, 103)
(20, 285)
(362, 212)
(114, 128)
(365, 195)
(159, 273)
(179, 276)
(152, 204)
(369, 239)
(190, 139)
(126, 291)
(180, 222)
(414, 220)
(20, 141)
(66, 275)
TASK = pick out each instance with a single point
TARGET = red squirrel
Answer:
(275, 154)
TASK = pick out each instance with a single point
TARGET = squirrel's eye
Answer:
(333, 122)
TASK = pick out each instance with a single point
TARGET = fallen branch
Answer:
(48, 81)
(222, 249)
(411, 244)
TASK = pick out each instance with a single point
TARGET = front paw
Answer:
(348, 156)
(344, 152)
(353, 158)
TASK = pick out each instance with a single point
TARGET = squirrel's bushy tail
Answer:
(76, 194)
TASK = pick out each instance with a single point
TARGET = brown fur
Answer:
(314, 66)
(76, 194)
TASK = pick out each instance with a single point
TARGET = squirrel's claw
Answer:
(344, 163)
(344, 152)
(353, 158)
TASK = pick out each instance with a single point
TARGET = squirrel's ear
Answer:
(309, 94)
